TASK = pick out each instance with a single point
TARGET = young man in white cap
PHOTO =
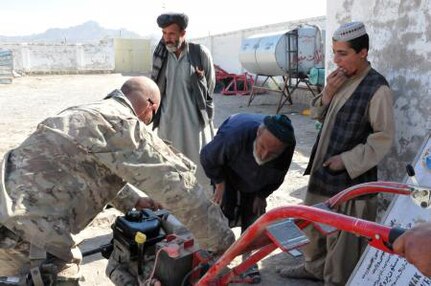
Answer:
(356, 110)
(185, 74)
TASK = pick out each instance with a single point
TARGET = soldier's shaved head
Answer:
(139, 89)
(144, 95)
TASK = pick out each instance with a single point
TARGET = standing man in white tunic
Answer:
(185, 75)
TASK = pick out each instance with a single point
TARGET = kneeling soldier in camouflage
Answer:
(55, 183)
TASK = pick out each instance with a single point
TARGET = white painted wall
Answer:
(400, 49)
(80, 58)
(62, 58)
(225, 47)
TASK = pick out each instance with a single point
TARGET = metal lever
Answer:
(412, 174)
(421, 196)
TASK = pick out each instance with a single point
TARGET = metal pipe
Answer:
(367, 189)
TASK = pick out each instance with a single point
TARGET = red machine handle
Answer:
(368, 189)
(380, 236)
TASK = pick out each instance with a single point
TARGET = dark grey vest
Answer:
(351, 128)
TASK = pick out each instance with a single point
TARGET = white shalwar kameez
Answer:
(179, 120)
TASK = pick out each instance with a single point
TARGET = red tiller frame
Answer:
(257, 236)
(233, 81)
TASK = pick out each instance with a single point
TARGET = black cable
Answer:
(141, 252)
(190, 273)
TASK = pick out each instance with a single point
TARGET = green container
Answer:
(317, 76)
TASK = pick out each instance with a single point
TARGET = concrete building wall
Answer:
(62, 58)
(132, 55)
(122, 55)
(225, 47)
(400, 49)
(6, 66)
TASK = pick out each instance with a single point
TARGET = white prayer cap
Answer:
(349, 31)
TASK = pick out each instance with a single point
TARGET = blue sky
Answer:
(25, 17)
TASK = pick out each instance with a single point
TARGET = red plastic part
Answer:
(189, 243)
(256, 237)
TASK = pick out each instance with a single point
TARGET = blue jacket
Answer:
(229, 157)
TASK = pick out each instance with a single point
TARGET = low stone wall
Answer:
(58, 58)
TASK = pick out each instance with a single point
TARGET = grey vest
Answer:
(351, 128)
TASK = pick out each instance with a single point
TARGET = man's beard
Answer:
(259, 161)
(173, 47)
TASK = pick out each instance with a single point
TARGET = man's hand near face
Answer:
(333, 83)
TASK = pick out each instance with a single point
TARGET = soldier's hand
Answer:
(259, 206)
(219, 193)
(148, 203)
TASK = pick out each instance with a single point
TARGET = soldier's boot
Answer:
(119, 274)
(68, 275)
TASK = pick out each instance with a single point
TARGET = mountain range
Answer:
(87, 32)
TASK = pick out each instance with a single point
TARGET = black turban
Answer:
(281, 127)
(167, 19)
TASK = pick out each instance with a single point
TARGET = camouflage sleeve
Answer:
(124, 148)
(127, 198)
(140, 158)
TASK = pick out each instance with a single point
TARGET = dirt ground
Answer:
(28, 100)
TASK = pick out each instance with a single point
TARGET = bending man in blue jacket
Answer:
(246, 161)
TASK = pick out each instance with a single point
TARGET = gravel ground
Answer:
(28, 100)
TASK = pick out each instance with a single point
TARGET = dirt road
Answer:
(29, 100)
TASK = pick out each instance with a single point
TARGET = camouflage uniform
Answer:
(63, 175)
